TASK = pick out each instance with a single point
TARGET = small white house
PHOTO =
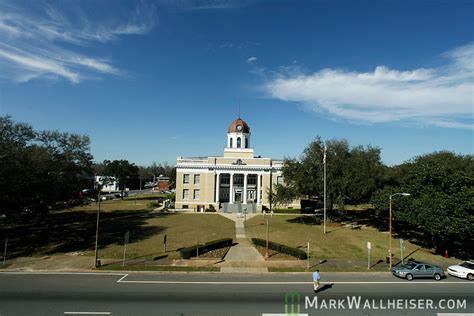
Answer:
(111, 186)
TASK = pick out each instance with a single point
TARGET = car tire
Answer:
(409, 277)
(470, 277)
(437, 276)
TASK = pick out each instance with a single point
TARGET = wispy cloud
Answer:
(45, 42)
(442, 96)
(252, 60)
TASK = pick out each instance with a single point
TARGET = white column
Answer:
(231, 189)
(258, 188)
(218, 184)
(245, 189)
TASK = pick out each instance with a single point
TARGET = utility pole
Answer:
(5, 251)
(307, 261)
(97, 232)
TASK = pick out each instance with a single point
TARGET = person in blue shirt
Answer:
(316, 278)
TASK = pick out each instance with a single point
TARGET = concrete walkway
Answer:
(243, 257)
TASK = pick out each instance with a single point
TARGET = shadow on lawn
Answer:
(61, 232)
(308, 220)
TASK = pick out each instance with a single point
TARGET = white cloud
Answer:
(44, 42)
(442, 96)
(252, 60)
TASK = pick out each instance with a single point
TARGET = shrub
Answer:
(287, 210)
(191, 251)
(298, 253)
(211, 208)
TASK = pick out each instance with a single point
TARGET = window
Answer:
(280, 180)
(239, 142)
(239, 180)
(185, 194)
(185, 206)
(225, 179)
(197, 178)
(252, 179)
(246, 142)
(230, 142)
(186, 178)
(197, 194)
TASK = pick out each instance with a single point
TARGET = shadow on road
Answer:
(324, 288)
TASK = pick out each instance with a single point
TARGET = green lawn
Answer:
(340, 243)
(73, 230)
(181, 230)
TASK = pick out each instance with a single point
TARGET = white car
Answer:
(463, 270)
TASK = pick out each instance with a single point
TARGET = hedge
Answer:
(287, 210)
(298, 253)
(192, 251)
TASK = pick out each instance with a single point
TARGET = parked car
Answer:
(463, 270)
(415, 269)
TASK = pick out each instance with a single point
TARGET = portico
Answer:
(238, 187)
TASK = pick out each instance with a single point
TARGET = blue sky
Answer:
(152, 80)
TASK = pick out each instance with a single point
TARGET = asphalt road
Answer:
(219, 294)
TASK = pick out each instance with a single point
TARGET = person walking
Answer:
(316, 278)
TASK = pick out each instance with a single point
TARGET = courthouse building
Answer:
(234, 182)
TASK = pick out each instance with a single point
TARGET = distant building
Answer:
(235, 182)
(111, 186)
(162, 184)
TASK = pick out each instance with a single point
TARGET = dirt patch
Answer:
(215, 254)
(274, 255)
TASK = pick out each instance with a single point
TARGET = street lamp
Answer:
(390, 240)
(96, 262)
(267, 218)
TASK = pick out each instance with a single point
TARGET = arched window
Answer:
(246, 142)
(239, 142)
(230, 142)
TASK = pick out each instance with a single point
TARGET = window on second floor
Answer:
(197, 178)
(280, 180)
(186, 178)
(185, 194)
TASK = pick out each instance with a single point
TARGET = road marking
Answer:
(87, 313)
(274, 283)
(120, 280)
(60, 273)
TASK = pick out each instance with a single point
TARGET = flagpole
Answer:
(324, 162)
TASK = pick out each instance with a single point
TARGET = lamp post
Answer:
(267, 219)
(390, 240)
(97, 231)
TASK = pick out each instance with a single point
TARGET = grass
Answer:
(181, 230)
(73, 230)
(340, 244)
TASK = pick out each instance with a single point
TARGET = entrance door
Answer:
(238, 196)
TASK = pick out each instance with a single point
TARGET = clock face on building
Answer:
(239, 127)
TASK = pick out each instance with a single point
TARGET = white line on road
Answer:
(60, 273)
(120, 280)
(276, 282)
(87, 313)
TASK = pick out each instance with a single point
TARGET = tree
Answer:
(40, 168)
(122, 171)
(441, 206)
(353, 174)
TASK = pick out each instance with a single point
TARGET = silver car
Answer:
(416, 269)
